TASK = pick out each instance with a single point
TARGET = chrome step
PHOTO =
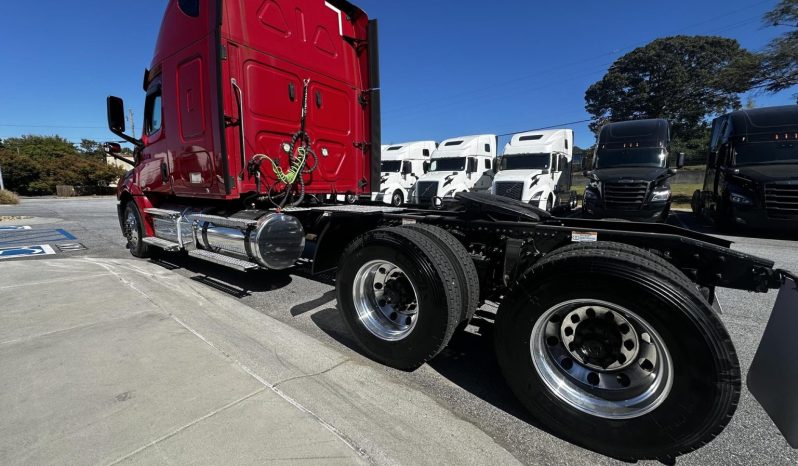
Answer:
(161, 243)
(173, 214)
(220, 259)
(224, 221)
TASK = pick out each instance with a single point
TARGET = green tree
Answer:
(35, 165)
(780, 58)
(40, 146)
(92, 149)
(685, 79)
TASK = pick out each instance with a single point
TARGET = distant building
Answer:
(120, 164)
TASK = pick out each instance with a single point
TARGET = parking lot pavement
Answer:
(108, 361)
(454, 409)
(96, 370)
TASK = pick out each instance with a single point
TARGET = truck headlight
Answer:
(661, 195)
(536, 196)
(449, 193)
(737, 198)
(595, 184)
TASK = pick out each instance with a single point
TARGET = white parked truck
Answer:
(464, 164)
(536, 169)
(402, 166)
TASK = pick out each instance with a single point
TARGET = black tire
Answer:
(461, 261)
(429, 270)
(705, 378)
(724, 217)
(623, 248)
(695, 203)
(351, 199)
(133, 230)
(397, 199)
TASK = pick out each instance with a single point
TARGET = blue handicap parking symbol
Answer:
(38, 250)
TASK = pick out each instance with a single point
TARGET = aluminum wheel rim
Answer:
(386, 300)
(132, 228)
(577, 365)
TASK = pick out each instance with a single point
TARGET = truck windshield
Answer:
(764, 153)
(449, 164)
(526, 162)
(391, 166)
(631, 157)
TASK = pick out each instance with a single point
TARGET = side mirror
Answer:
(112, 148)
(116, 114)
(495, 168)
(116, 120)
(680, 160)
(472, 166)
(427, 166)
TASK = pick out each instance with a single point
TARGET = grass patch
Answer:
(683, 194)
(7, 197)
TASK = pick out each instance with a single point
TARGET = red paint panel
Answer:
(191, 94)
(274, 46)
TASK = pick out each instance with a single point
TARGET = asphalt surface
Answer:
(464, 379)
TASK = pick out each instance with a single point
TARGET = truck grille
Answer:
(781, 200)
(427, 190)
(510, 189)
(625, 196)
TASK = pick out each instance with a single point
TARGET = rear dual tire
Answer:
(401, 295)
(666, 331)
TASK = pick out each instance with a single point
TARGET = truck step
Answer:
(243, 223)
(226, 261)
(173, 214)
(160, 243)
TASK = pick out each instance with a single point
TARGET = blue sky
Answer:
(449, 68)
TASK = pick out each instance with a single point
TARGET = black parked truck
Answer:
(752, 170)
(629, 176)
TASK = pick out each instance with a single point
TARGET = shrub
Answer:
(7, 197)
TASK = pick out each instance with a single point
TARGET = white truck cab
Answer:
(459, 164)
(536, 168)
(402, 166)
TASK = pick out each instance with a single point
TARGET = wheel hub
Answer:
(131, 228)
(599, 338)
(385, 300)
(601, 358)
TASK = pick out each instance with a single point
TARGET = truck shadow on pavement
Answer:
(228, 281)
(468, 361)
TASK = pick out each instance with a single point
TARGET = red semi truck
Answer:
(259, 114)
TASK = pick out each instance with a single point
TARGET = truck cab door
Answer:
(155, 167)
(562, 179)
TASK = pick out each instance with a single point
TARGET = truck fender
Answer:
(142, 202)
(335, 237)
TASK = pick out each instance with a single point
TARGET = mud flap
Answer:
(773, 378)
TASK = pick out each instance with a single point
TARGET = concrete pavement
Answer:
(120, 361)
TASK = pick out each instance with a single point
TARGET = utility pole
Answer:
(132, 122)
